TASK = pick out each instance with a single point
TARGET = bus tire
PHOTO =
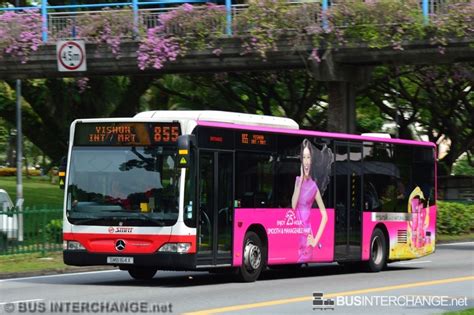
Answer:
(378, 251)
(253, 258)
(142, 273)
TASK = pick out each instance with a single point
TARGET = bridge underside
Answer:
(343, 68)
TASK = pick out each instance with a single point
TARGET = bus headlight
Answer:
(175, 248)
(73, 245)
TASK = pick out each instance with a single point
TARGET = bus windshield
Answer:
(134, 186)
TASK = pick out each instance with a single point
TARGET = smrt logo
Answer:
(120, 230)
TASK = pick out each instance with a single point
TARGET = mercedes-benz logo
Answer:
(120, 245)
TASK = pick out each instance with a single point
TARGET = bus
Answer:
(222, 191)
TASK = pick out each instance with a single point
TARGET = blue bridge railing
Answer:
(52, 15)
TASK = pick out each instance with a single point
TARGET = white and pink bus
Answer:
(218, 191)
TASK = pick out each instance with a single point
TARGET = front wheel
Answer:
(378, 251)
(254, 256)
(142, 273)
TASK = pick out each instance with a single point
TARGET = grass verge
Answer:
(31, 262)
(35, 264)
(37, 191)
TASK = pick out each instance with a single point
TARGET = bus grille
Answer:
(402, 236)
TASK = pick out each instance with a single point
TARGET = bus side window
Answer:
(255, 181)
(371, 198)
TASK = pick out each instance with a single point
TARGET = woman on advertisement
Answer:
(306, 191)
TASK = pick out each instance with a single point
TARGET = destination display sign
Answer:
(253, 139)
(126, 133)
(249, 140)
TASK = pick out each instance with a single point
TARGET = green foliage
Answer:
(463, 167)
(195, 27)
(456, 23)
(261, 24)
(454, 218)
(436, 101)
(292, 94)
(109, 27)
(369, 116)
(378, 24)
(54, 231)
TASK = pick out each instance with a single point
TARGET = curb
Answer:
(48, 272)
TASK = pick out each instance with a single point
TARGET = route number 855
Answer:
(166, 134)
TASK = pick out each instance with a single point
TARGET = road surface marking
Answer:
(413, 262)
(454, 244)
(59, 275)
(330, 295)
(21, 301)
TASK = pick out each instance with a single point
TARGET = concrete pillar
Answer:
(341, 110)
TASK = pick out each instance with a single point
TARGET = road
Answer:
(434, 284)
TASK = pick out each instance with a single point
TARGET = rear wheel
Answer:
(378, 251)
(142, 273)
(254, 256)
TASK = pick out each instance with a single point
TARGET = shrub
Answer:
(11, 171)
(20, 33)
(454, 218)
(54, 231)
(187, 27)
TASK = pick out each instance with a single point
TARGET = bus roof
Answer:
(334, 135)
(223, 117)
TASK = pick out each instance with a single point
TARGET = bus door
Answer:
(215, 215)
(348, 201)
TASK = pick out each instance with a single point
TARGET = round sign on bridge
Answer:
(71, 56)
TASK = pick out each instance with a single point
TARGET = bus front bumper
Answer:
(162, 261)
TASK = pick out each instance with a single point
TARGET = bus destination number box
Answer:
(120, 134)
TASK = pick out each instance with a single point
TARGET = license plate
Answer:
(119, 260)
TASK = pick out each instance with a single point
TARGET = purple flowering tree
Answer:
(187, 27)
(261, 26)
(20, 34)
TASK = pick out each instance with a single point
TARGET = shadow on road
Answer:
(190, 279)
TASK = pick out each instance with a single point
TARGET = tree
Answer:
(293, 93)
(464, 165)
(432, 100)
(49, 106)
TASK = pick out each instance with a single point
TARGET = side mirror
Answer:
(185, 144)
(62, 172)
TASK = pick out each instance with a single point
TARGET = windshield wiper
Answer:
(84, 221)
(145, 217)
(112, 215)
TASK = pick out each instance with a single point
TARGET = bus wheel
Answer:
(142, 273)
(378, 251)
(253, 258)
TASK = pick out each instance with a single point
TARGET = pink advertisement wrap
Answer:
(409, 238)
(289, 233)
